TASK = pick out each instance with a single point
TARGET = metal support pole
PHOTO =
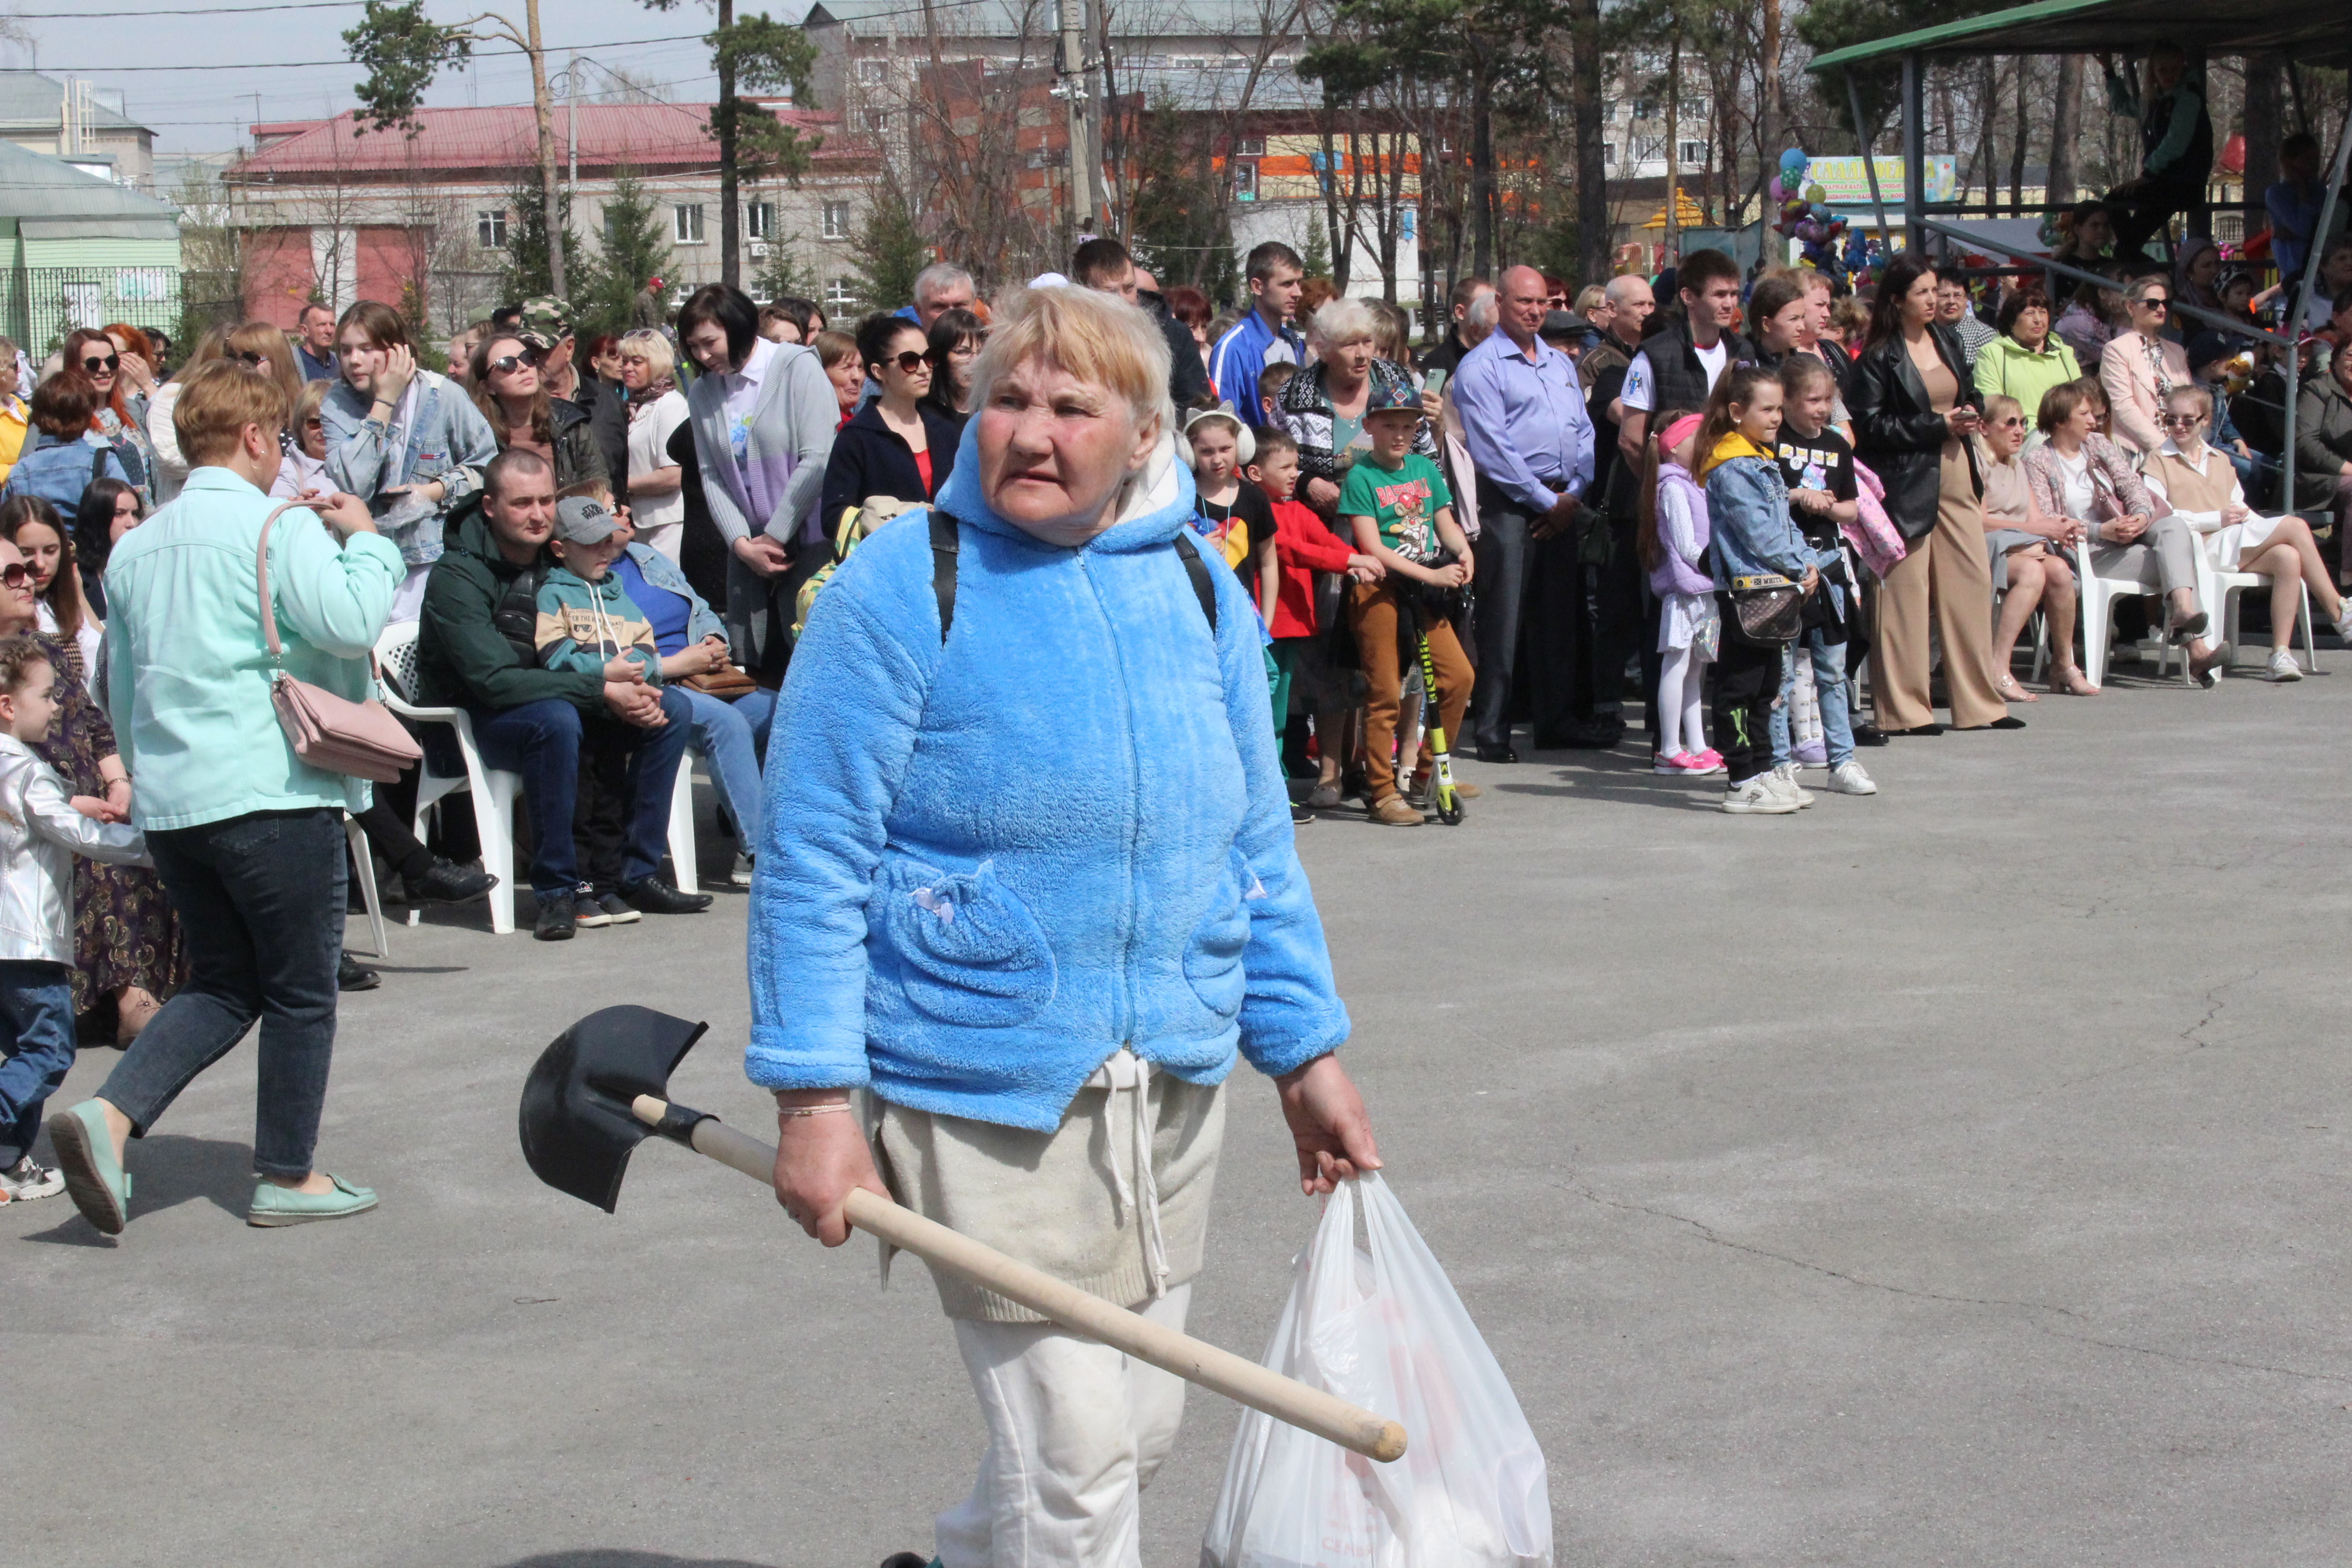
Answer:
(1069, 69)
(1915, 133)
(1869, 163)
(2302, 308)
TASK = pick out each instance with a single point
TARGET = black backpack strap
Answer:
(1197, 569)
(97, 464)
(943, 567)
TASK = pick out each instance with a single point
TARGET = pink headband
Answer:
(1678, 432)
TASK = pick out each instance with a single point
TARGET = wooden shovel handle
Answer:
(1220, 1372)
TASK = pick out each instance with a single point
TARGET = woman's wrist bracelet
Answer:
(813, 1109)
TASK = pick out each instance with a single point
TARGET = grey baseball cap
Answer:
(583, 520)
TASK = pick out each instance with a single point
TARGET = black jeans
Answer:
(261, 900)
(1746, 679)
(1499, 589)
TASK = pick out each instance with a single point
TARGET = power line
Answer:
(204, 11)
(301, 65)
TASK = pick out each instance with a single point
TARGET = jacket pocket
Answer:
(1213, 957)
(970, 952)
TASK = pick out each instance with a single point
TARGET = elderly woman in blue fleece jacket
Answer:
(1028, 882)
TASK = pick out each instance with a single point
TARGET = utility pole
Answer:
(571, 123)
(1674, 152)
(1070, 87)
(1768, 131)
(1095, 80)
(731, 248)
(544, 111)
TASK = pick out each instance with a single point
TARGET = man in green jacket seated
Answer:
(477, 649)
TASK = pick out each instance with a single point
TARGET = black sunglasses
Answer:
(15, 575)
(2154, 302)
(250, 360)
(108, 365)
(910, 361)
(507, 364)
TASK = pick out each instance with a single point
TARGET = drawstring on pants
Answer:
(1124, 1072)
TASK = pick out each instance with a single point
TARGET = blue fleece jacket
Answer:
(991, 864)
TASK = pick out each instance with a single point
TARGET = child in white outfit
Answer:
(1671, 543)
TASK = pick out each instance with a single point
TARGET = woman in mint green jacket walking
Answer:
(247, 838)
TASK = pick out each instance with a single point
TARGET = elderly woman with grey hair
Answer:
(1323, 406)
(1002, 969)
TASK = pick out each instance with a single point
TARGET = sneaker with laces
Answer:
(2282, 667)
(1784, 779)
(617, 911)
(1756, 797)
(25, 1181)
(742, 876)
(589, 909)
(1848, 778)
(1675, 767)
(1709, 761)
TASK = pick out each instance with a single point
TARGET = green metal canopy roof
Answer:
(2087, 26)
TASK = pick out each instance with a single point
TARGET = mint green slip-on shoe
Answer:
(274, 1205)
(95, 1181)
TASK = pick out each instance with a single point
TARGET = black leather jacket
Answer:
(1899, 435)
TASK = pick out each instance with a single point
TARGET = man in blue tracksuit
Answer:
(1265, 336)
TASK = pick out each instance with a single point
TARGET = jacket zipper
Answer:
(1123, 1027)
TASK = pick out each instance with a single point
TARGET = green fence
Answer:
(39, 305)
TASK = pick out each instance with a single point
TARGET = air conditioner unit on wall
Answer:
(758, 247)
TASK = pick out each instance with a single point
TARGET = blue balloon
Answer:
(1792, 163)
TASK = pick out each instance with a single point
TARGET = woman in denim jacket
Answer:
(408, 440)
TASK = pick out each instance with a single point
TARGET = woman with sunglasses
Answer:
(957, 337)
(900, 447)
(120, 417)
(109, 509)
(304, 471)
(2197, 480)
(67, 454)
(2029, 548)
(513, 399)
(2140, 367)
(404, 439)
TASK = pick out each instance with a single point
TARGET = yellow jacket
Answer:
(15, 418)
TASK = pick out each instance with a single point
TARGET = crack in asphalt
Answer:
(1707, 1232)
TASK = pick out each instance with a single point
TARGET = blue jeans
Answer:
(37, 1010)
(261, 900)
(731, 736)
(1829, 686)
(541, 742)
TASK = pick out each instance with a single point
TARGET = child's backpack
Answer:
(855, 526)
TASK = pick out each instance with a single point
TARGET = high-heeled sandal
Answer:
(2070, 681)
(2010, 691)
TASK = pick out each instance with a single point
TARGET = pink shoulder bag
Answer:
(362, 739)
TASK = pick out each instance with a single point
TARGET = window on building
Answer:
(840, 297)
(872, 73)
(1644, 109)
(758, 220)
(1608, 152)
(876, 119)
(1693, 154)
(1250, 147)
(490, 228)
(837, 220)
(686, 223)
(1244, 181)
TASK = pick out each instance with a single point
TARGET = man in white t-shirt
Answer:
(1679, 364)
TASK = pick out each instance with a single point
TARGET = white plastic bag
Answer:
(1383, 1329)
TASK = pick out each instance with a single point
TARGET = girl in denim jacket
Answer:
(1755, 544)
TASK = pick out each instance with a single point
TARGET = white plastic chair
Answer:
(2098, 605)
(363, 861)
(494, 791)
(2223, 588)
(681, 827)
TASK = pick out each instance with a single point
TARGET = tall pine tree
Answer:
(890, 250)
(526, 271)
(634, 248)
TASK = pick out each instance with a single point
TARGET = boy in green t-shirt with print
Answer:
(1395, 503)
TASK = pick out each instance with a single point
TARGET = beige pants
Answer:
(1946, 570)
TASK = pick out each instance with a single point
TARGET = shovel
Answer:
(603, 1086)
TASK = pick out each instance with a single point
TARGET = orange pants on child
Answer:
(1373, 612)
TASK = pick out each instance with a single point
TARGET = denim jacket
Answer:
(660, 571)
(448, 440)
(1750, 532)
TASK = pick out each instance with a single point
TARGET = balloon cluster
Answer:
(1805, 216)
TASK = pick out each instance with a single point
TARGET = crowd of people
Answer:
(1576, 504)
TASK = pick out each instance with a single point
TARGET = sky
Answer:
(193, 109)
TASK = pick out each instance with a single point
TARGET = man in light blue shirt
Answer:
(247, 836)
(1528, 433)
(1265, 336)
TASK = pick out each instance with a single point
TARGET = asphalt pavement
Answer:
(1952, 1177)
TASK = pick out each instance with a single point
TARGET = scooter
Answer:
(1443, 798)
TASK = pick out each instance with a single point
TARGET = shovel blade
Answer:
(577, 1127)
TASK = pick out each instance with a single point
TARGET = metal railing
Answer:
(40, 305)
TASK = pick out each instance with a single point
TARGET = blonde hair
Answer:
(1341, 322)
(217, 402)
(307, 403)
(654, 349)
(272, 345)
(1591, 298)
(1098, 338)
(2190, 391)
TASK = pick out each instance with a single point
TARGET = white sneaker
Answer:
(742, 876)
(2282, 667)
(25, 1181)
(1847, 778)
(1784, 779)
(1756, 797)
